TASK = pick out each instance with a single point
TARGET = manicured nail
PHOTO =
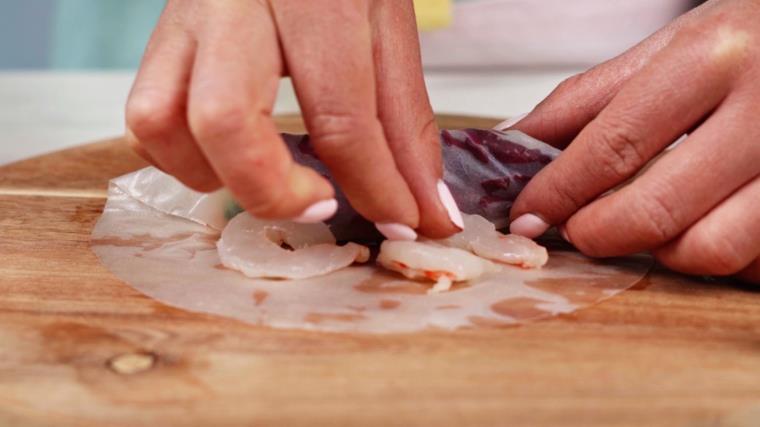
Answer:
(506, 124)
(444, 193)
(318, 212)
(563, 232)
(528, 225)
(396, 231)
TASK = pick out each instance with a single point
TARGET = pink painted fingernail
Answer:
(506, 124)
(318, 212)
(563, 232)
(396, 231)
(528, 225)
(444, 193)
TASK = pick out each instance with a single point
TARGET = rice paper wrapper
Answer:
(160, 238)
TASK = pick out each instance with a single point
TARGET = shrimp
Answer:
(464, 256)
(259, 248)
(481, 238)
(428, 260)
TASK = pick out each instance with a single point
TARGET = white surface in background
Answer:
(48, 111)
(534, 33)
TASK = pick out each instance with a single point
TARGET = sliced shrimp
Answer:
(428, 260)
(256, 248)
(481, 237)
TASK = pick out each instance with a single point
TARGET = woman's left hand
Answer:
(697, 209)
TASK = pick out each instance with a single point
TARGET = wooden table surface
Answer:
(79, 347)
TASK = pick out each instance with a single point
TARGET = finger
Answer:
(407, 118)
(135, 145)
(578, 99)
(155, 112)
(724, 242)
(234, 85)
(680, 85)
(751, 274)
(332, 70)
(678, 190)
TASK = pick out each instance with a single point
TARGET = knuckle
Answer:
(429, 133)
(570, 84)
(151, 115)
(659, 218)
(215, 118)
(562, 95)
(417, 149)
(695, 29)
(718, 254)
(568, 90)
(566, 196)
(616, 149)
(335, 130)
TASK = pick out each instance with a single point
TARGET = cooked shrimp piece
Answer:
(428, 260)
(284, 249)
(481, 237)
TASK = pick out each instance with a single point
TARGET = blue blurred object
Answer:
(102, 33)
(75, 34)
(25, 33)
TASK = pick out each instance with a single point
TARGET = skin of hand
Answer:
(697, 207)
(200, 109)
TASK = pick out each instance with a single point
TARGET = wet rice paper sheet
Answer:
(160, 238)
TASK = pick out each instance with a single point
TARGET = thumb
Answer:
(557, 120)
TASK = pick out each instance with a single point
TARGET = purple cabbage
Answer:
(485, 170)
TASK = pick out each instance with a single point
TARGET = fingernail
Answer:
(563, 232)
(528, 225)
(318, 212)
(444, 193)
(506, 124)
(396, 231)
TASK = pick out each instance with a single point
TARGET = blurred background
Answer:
(75, 34)
(476, 34)
(66, 65)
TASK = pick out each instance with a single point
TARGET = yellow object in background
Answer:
(432, 14)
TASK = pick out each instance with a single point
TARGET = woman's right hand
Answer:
(200, 109)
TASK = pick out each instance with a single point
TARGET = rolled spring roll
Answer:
(485, 170)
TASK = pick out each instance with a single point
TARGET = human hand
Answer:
(697, 208)
(200, 109)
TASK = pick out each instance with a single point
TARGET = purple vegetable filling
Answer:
(485, 170)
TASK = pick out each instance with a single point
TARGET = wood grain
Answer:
(78, 347)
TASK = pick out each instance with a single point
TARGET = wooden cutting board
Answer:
(79, 347)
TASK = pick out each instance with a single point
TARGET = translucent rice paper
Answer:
(164, 246)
